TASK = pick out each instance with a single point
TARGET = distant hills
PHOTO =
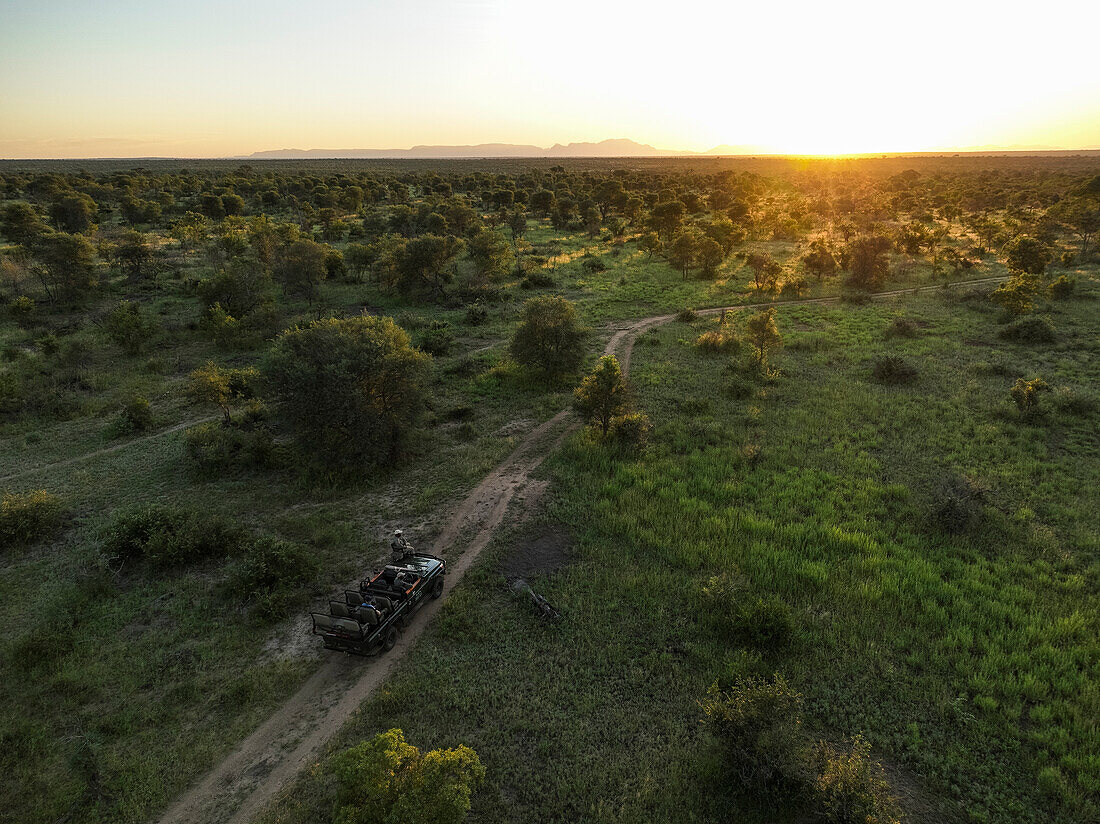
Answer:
(605, 148)
(616, 147)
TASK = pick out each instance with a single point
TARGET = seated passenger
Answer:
(369, 614)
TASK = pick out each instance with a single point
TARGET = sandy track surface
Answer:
(266, 762)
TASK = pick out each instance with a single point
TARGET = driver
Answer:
(399, 547)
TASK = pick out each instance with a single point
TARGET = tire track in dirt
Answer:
(267, 761)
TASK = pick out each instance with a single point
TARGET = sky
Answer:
(140, 78)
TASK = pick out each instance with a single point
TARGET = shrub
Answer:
(591, 263)
(23, 310)
(548, 336)
(437, 339)
(687, 315)
(270, 573)
(602, 395)
(757, 724)
(630, 431)
(476, 315)
(1062, 287)
(1029, 330)
(136, 415)
(215, 446)
(352, 390)
(794, 287)
(27, 517)
(764, 623)
(1025, 394)
(902, 328)
(389, 781)
(537, 280)
(763, 334)
(167, 536)
(718, 341)
(957, 503)
(851, 788)
(128, 327)
(894, 370)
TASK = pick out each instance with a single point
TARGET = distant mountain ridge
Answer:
(615, 147)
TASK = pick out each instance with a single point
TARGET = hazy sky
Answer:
(101, 78)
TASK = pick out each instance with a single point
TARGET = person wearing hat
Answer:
(399, 546)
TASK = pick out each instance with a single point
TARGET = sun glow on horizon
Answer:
(855, 77)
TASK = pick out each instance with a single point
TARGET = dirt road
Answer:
(266, 762)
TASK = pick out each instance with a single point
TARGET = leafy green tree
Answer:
(74, 213)
(765, 271)
(301, 266)
(388, 781)
(683, 252)
(603, 394)
(763, 334)
(21, 223)
(221, 387)
(490, 254)
(128, 326)
(424, 263)
(133, 255)
(869, 264)
(517, 224)
(232, 204)
(1027, 256)
(350, 389)
(649, 243)
(668, 216)
(548, 336)
(819, 259)
(710, 255)
(65, 264)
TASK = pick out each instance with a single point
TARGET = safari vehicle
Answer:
(369, 618)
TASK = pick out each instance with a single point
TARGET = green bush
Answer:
(548, 336)
(215, 446)
(718, 341)
(27, 517)
(136, 415)
(476, 314)
(630, 431)
(269, 574)
(851, 788)
(687, 315)
(388, 781)
(537, 280)
(957, 504)
(437, 339)
(757, 724)
(794, 287)
(128, 326)
(764, 623)
(1025, 394)
(1062, 287)
(902, 328)
(894, 370)
(1029, 330)
(23, 309)
(166, 536)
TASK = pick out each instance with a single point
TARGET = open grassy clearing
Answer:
(967, 660)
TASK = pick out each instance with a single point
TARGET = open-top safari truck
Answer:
(369, 618)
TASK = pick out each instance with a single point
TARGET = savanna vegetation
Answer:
(833, 560)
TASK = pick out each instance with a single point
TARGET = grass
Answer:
(137, 684)
(967, 660)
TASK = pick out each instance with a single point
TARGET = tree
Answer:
(548, 336)
(869, 263)
(133, 256)
(490, 254)
(66, 263)
(649, 243)
(603, 394)
(1027, 256)
(763, 334)
(819, 260)
(20, 223)
(424, 263)
(668, 216)
(388, 781)
(765, 271)
(1081, 216)
(682, 253)
(350, 389)
(220, 387)
(710, 255)
(301, 266)
(517, 223)
(73, 213)
(128, 326)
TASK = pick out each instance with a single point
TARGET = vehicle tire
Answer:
(390, 639)
(437, 588)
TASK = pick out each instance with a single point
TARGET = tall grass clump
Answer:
(27, 517)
